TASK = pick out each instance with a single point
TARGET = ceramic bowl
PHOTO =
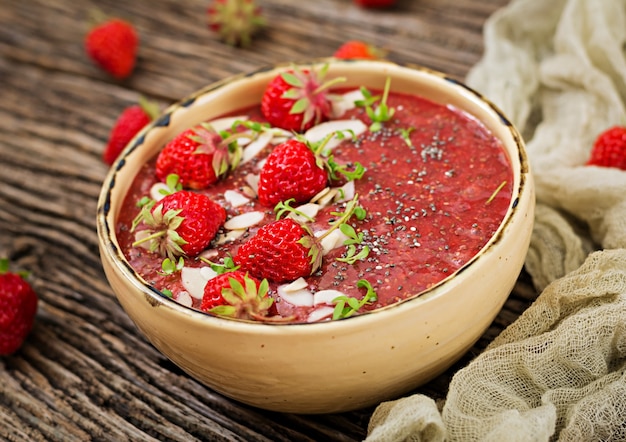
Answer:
(331, 366)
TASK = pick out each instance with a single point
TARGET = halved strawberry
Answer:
(182, 223)
(237, 295)
(199, 156)
(298, 99)
(282, 250)
(291, 171)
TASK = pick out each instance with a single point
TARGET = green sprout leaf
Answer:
(346, 306)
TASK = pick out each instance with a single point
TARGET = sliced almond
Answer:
(309, 211)
(328, 197)
(345, 192)
(346, 102)
(248, 191)
(320, 313)
(195, 278)
(280, 135)
(253, 182)
(326, 296)
(244, 221)
(184, 298)
(158, 191)
(236, 199)
(229, 236)
(299, 298)
(255, 147)
(140, 236)
(296, 285)
(321, 131)
(333, 240)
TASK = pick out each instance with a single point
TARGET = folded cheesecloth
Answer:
(558, 70)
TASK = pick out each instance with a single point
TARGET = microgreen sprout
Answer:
(327, 161)
(346, 306)
(406, 135)
(168, 293)
(382, 112)
(353, 240)
(227, 266)
(171, 266)
(493, 195)
(285, 206)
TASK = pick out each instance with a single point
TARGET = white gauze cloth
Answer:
(558, 70)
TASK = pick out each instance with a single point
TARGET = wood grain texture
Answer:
(86, 373)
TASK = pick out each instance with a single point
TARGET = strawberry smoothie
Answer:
(435, 188)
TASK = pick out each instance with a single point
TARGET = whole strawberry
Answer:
(609, 149)
(282, 250)
(358, 49)
(113, 45)
(196, 155)
(131, 120)
(298, 99)
(291, 171)
(182, 223)
(18, 306)
(235, 20)
(235, 294)
(375, 3)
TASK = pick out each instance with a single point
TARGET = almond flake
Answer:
(296, 285)
(244, 221)
(255, 147)
(345, 192)
(309, 210)
(320, 194)
(141, 235)
(158, 191)
(235, 199)
(253, 182)
(248, 191)
(299, 298)
(346, 102)
(326, 296)
(320, 313)
(194, 279)
(321, 131)
(328, 197)
(333, 240)
(184, 299)
(229, 236)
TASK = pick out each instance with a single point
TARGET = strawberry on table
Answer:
(236, 21)
(609, 149)
(282, 250)
(235, 294)
(298, 99)
(375, 3)
(18, 306)
(182, 223)
(198, 156)
(359, 49)
(291, 171)
(131, 120)
(113, 46)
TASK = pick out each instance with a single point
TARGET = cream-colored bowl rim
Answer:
(110, 246)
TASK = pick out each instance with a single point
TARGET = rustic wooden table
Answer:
(85, 372)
